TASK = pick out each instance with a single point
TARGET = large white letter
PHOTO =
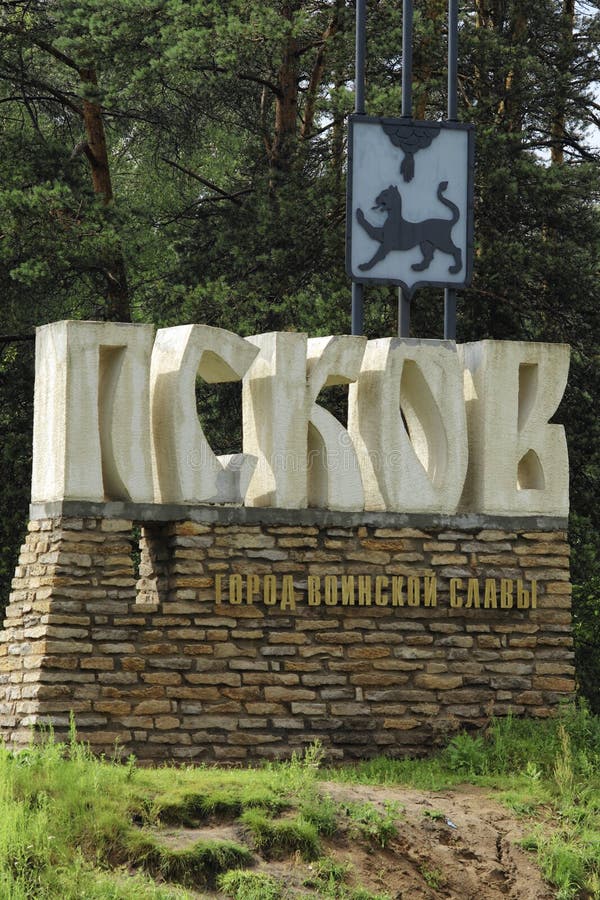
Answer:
(91, 430)
(276, 420)
(407, 420)
(285, 428)
(185, 468)
(518, 462)
(334, 480)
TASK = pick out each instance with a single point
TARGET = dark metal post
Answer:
(450, 293)
(361, 50)
(407, 57)
(359, 108)
(452, 59)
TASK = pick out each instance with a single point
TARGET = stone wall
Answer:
(444, 625)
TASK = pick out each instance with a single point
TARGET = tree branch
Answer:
(209, 184)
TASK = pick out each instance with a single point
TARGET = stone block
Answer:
(438, 682)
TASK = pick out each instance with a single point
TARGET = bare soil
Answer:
(469, 852)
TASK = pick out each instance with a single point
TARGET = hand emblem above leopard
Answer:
(397, 233)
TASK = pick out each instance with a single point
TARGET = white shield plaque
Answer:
(410, 203)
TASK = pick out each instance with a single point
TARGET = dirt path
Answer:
(476, 859)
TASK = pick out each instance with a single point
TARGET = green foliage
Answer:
(321, 812)
(435, 814)
(373, 824)
(465, 755)
(241, 885)
(433, 877)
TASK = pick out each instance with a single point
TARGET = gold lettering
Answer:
(235, 589)
(490, 600)
(522, 595)
(331, 590)
(413, 585)
(455, 601)
(473, 594)
(269, 590)
(219, 588)
(430, 597)
(347, 590)
(314, 590)
(506, 593)
(288, 598)
(252, 588)
(398, 590)
(534, 594)
(364, 590)
(381, 596)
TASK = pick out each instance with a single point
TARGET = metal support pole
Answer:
(407, 56)
(359, 108)
(360, 54)
(357, 308)
(403, 314)
(452, 59)
(407, 60)
(450, 293)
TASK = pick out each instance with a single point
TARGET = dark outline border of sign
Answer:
(453, 126)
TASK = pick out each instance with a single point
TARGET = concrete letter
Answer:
(185, 468)
(518, 463)
(407, 421)
(334, 480)
(285, 428)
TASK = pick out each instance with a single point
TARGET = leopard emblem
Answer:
(397, 233)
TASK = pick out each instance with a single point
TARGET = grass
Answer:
(368, 822)
(242, 885)
(74, 826)
(276, 838)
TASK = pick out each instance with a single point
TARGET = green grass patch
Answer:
(241, 885)
(195, 866)
(276, 838)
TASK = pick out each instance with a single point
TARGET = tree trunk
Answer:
(286, 101)
(117, 291)
(557, 153)
(509, 109)
(318, 69)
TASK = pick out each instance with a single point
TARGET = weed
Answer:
(436, 814)
(368, 822)
(466, 755)
(563, 767)
(433, 878)
(242, 885)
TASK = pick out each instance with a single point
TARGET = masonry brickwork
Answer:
(440, 629)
